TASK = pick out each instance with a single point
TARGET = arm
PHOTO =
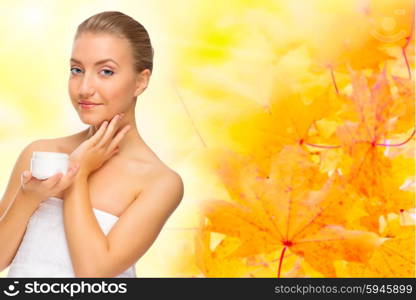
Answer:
(13, 226)
(15, 208)
(22, 163)
(95, 255)
(21, 199)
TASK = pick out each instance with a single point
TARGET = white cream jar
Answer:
(46, 164)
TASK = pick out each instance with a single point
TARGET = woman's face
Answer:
(111, 84)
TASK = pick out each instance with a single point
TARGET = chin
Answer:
(91, 120)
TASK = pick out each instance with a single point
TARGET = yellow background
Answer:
(213, 60)
(34, 101)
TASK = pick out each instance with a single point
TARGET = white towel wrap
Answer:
(44, 252)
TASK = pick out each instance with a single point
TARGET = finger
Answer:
(73, 165)
(53, 180)
(114, 152)
(110, 131)
(74, 169)
(120, 135)
(99, 133)
(69, 177)
(113, 130)
(26, 176)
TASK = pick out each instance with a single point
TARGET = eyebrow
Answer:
(97, 63)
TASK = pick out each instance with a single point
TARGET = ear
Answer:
(142, 82)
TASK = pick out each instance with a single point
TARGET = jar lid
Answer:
(45, 154)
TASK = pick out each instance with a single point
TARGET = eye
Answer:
(73, 69)
(108, 71)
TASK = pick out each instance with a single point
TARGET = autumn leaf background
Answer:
(305, 110)
(292, 124)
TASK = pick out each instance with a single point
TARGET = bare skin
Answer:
(132, 183)
(121, 179)
(116, 184)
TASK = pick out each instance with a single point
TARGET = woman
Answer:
(105, 213)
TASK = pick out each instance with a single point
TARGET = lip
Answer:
(85, 105)
(87, 102)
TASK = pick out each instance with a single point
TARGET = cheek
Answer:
(116, 96)
(72, 91)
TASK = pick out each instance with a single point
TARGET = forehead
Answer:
(91, 47)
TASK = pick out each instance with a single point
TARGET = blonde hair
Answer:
(123, 26)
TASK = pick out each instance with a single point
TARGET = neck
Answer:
(131, 140)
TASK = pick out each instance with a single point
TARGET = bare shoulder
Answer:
(167, 178)
(40, 145)
(64, 144)
(164, 181)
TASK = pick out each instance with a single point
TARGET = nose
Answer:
(86, 88)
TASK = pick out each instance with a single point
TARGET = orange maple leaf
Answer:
(394, 258)
(289, 209)
(374, 112)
